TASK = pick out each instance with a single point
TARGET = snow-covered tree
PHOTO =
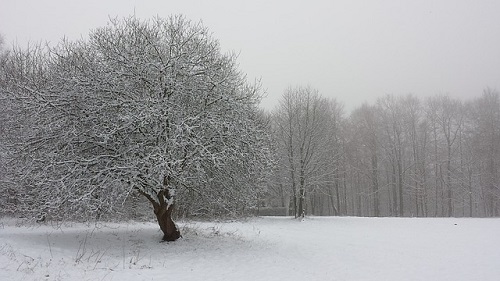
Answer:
(304, 123)
(146, 106)
(486, 140)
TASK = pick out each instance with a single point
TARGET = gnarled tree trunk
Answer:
(163, 206)
(163, 214)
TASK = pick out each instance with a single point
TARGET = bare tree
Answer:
(392, 120)
(450, 120)
(416, 131)
(335, 150)
(366, 139)
(302, 123)
(400, 157)
(486, 114)
(146, 106)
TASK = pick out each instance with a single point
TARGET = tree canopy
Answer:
(149, 106)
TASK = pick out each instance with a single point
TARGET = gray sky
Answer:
(354, 51)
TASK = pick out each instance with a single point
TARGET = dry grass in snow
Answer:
(319, 248)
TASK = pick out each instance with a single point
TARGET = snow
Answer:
(270, 248)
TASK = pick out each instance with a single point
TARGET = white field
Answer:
(319, 248)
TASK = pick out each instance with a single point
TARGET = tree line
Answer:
(401, 156)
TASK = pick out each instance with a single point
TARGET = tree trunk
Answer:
(302, 194)
(400, 185)
(301, 210)
(334, 210)
(449, 193)
(394, 190)
(295, 203)
(163, 207)
(375, 191)
(167, 225)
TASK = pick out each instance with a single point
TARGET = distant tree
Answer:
(365, 159)
(395, 144)
(486, 121)
(302, 128)
(416, 129)
(335, 170)
(450, 120)
(146, 106)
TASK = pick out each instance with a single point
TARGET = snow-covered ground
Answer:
(319, 248)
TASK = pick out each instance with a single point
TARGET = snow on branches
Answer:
(138, 102)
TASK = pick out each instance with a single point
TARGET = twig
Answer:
(50, 247)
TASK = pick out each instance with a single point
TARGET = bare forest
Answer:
(401, 156)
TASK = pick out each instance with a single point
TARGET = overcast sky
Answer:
(354, 51)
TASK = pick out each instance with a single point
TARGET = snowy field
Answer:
(319, 248)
